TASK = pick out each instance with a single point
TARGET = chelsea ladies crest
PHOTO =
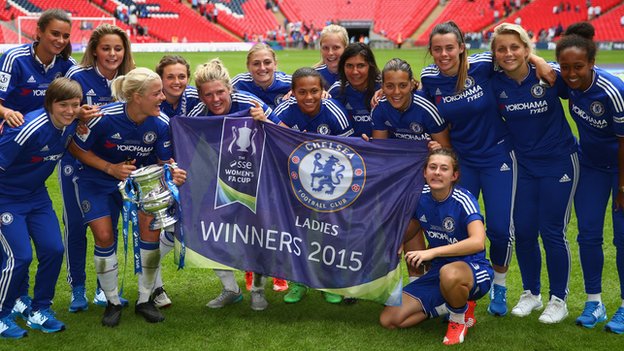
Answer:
(326, 176)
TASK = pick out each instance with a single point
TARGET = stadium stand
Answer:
(540, 15)
(245, 17)
(608, 26)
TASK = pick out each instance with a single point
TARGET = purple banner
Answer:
(329, 212)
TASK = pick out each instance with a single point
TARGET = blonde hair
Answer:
(135, 81)
(259, 47)
(510, 28)
(88, 60)
(337, 30)
(211, 71)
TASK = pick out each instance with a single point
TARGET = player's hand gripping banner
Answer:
(329, 212)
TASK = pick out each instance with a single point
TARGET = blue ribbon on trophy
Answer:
(175, 193)
(129, 214)
(240, 162)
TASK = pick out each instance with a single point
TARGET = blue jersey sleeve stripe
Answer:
(614, 94)
(429, 107)
(163, 117)
(340, 116)
(7, 66)
(31, 128)
(465, 201)
(93, 122)
(197, 110)
(285, 105)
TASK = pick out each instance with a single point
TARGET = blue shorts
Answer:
(97, 202)
(427, 288)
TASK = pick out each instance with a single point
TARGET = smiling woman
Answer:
(28, 155)
(135, 118)
(28, 69)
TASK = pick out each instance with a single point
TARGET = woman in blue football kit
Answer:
(263, 80)
(127, 136)
(459, 86)
(333, 41)
(218, 98)
(28, 155)
(448, 217)
(106, 56)
(547, 170)
(404, 113)
(25, 73)
(270, 86)
(180, 99)
(27, 70)
(596, 103)
(308, 111)
(359, 80)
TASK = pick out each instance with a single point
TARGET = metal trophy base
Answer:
(162, 219)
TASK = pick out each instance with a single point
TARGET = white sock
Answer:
(500, 278)
(106, 270)
(594, 297)
(258, 282)
(457, 317)
(166, 245)
(150, 260)
(227, 279)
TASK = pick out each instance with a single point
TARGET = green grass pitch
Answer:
(311, 324)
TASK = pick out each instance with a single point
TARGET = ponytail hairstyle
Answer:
(398, 64)
(579, 35)
(451, 27)
(55, 14)
(135, 81)
(333, 29)
(211, 71)
(306, 72)
(363, 50)
(446, 152)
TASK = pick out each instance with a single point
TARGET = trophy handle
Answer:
(233, 139)
(253, 145)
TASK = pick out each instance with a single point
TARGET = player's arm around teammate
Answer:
(28, 155)
(596, 103)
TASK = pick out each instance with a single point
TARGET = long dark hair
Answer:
(55, 14)
(363, 50)
(453, 28)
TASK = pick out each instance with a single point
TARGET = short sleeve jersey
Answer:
(188, 100)
(272, 95)
(354, 101)
(240, 101)
(29, 153)
(96, 88)
(115, 138)
(534, 116)
(446, 222)
(24, 79)
(599, 116)
(329, 77)
(418, 122)
(331, 120)
(477, 132)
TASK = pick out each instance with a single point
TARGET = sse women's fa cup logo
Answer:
(326, 176)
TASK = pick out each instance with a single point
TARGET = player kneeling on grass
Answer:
(449, 217)
(28, 155)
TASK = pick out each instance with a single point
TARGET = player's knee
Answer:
(386, 319)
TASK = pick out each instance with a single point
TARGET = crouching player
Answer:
(28, 155)
(449, 217)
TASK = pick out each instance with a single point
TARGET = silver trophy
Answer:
(152, 195)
